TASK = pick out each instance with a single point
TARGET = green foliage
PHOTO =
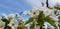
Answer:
(7, 27)
(32, 25)
(40, 19)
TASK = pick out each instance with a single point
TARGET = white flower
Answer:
(11, 16)
(33, 12)
(2, 24)
(4, 15)
(13, 24)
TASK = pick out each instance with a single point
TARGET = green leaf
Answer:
(29, 20)
(40, 23)
(50, 21)
(41, 17)
(32, 25)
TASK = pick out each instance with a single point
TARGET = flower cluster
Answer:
(38, 16)
(11, 21)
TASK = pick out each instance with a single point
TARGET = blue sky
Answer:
(17, 6)
(13, 6)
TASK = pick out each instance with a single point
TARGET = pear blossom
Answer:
(35, 12)
(13, 24)
(32, 13)
(11, 16)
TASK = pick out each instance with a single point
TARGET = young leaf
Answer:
(49, 20)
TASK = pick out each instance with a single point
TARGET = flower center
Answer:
(12, 24)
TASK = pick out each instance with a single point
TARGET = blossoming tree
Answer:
(38, 18)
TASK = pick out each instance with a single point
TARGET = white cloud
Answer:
(34, 3)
